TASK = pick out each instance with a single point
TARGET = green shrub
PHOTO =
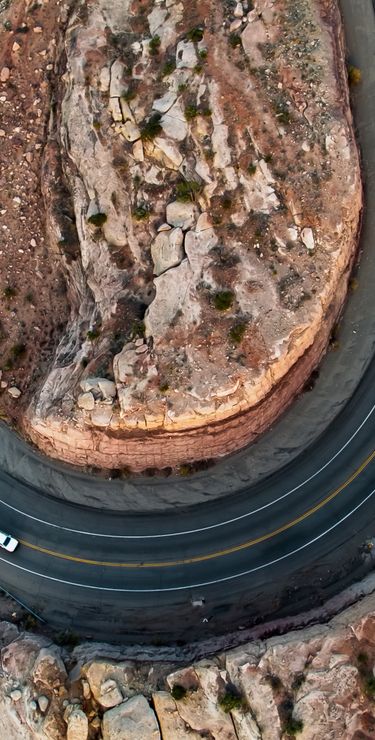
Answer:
(195, 34)
(154, 45)
(191, 111)
(92, 334)
(18, 350)
(230, 700)
(186, 190)
(151, 128)
(293, 726)
(178, 692)
(97, 219)
(223, 300)
(234, 40)
(138, 329)
(354, 75)
(140, 213)
(252, 168)
(169, 67)
(237, 332)
(9, 291)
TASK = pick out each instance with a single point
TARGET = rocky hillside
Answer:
(317, 683)
(201, 191)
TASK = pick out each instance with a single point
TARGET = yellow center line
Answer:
(219, 553)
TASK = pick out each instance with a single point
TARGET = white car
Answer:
(8, 542)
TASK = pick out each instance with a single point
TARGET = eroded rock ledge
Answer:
(202, 187)
(316, 683)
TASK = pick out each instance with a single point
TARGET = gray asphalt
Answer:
(292, 570)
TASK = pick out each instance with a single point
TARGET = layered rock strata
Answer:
(202, 188)
(316, 683)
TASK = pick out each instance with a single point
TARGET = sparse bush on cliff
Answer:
(354, 75)
(178, 692)
(223, 300)
(151, 128)
(154, 45)
(97, 219)
(230, 700)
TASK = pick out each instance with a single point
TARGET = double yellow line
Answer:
(218, 553)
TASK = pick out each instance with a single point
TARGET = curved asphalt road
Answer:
(279, 546)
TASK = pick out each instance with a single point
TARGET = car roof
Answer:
(3, 537)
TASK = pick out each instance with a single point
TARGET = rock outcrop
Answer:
(202, 192)
(316, 683)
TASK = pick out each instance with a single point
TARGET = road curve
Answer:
(277, 546)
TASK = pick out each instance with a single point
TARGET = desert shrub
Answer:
(9, 291)
(223, 300)
(138, 329)
(237, 332)
(230, 700)
(274, 681)
(354, 75)
(293, 726)
(234, 40)
(92, 334)
(178, 692)
(252, 168)
(151, 128)
(169, 67)
(195, 34)
(141, 212)
(97, 219)
(186, 190)
(154, 45)
(191, 111)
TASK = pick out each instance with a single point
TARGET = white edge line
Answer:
(193, 585)
(200, 529)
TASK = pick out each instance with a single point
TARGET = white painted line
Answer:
(193, 585)
(200, 529)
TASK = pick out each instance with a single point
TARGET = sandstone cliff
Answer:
(202, 194)
(317, 683)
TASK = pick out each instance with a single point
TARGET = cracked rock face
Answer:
(317, 682)
(202, 188)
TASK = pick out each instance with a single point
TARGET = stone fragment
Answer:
(116, 87)
(238, 11)
(307, 237)
(86, 401)
(167, 250)
(43, 703)
(49, 669)
(125, 109)
(181, 214)
(165, 151)
(107, 388)
(165, 103)
(114, 107)
(138, 152)
(131, 720)
(78, 725)
(130, 131)
(16, 695)
(101, 416)
(14, 392)
(186, 55)
(4, 74)
(104, 79)
(110, 694)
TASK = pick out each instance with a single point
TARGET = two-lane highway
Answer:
(272, 548)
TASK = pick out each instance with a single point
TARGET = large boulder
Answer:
(132, 720)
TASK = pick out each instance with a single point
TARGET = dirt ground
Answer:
(33, 307)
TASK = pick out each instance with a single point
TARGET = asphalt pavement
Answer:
(276, 543)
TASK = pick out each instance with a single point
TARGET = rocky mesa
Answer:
(316, 683)
(201, 197)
